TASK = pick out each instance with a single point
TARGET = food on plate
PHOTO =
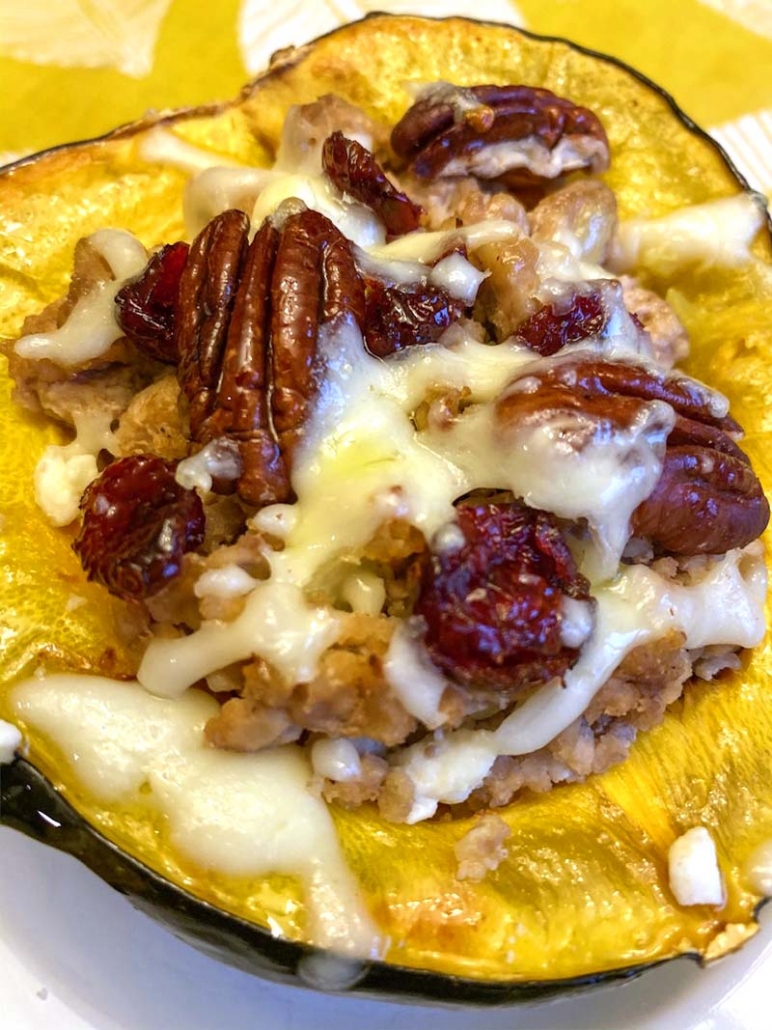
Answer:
(395, 486)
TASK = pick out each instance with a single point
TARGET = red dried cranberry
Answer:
(551, 328)
(405, 316)
(137, 524)
(492, 606)
(354, 170)
(146, 303)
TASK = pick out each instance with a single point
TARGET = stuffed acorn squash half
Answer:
(382, 499)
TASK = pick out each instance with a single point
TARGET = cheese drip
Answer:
(91, 326)
(242, 815)
(63, 472)
(639, 606)
(718, 233)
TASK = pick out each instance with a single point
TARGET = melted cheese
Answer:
(413, 678)
(364, 592)
(599, 476)
(758, 869)
(498, 158)
(64, 472)
(217, 804)
(355, 220)
(335, 759)
(10, 741)
(217, 458)
(215, 190)
(427, 247)
(91, 326)
(693, 869)
(718, 233)
(87, 333)
(61, 476)
(277, 623)
(162, 146)
(637, 607)
(227, 581)
(457, 277)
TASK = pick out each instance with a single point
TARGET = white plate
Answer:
(74, 955)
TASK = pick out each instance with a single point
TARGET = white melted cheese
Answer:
(418, 684)
(227, 581)
(693, 869)
(242, 815)
(427, 247)
(562, 263)
(10, 741)
(758, 869)
(355, 220)
(91, 326)
(457, 277)
(639, 606)
(162, 146)
(63, 472)
(61, 475)
(599, 476)
(277, 623)
(219, 183)
(335, 759)
(717, 234)
(364, 592)
(498, 158)
(217, 458)
(215, 190)
(87, 333)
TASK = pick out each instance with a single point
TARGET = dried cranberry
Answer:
(492, 606)
(404, 316)
(146, 303)
(354, 170)
(553, 326)
(137, 524)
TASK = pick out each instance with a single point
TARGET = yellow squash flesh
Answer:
(584, 889)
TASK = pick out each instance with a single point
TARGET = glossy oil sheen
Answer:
(585, 886)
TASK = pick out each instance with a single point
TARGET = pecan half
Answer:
(519, 133)
(206, 294)
(493, 606)
(707, 499)
(247, 326)
(241, 411)
(314, 281)
(354, 170)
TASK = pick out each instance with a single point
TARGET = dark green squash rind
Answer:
(30, 803)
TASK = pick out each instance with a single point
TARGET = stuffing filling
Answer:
(399, 469)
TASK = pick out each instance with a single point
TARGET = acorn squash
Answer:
(583, 894)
